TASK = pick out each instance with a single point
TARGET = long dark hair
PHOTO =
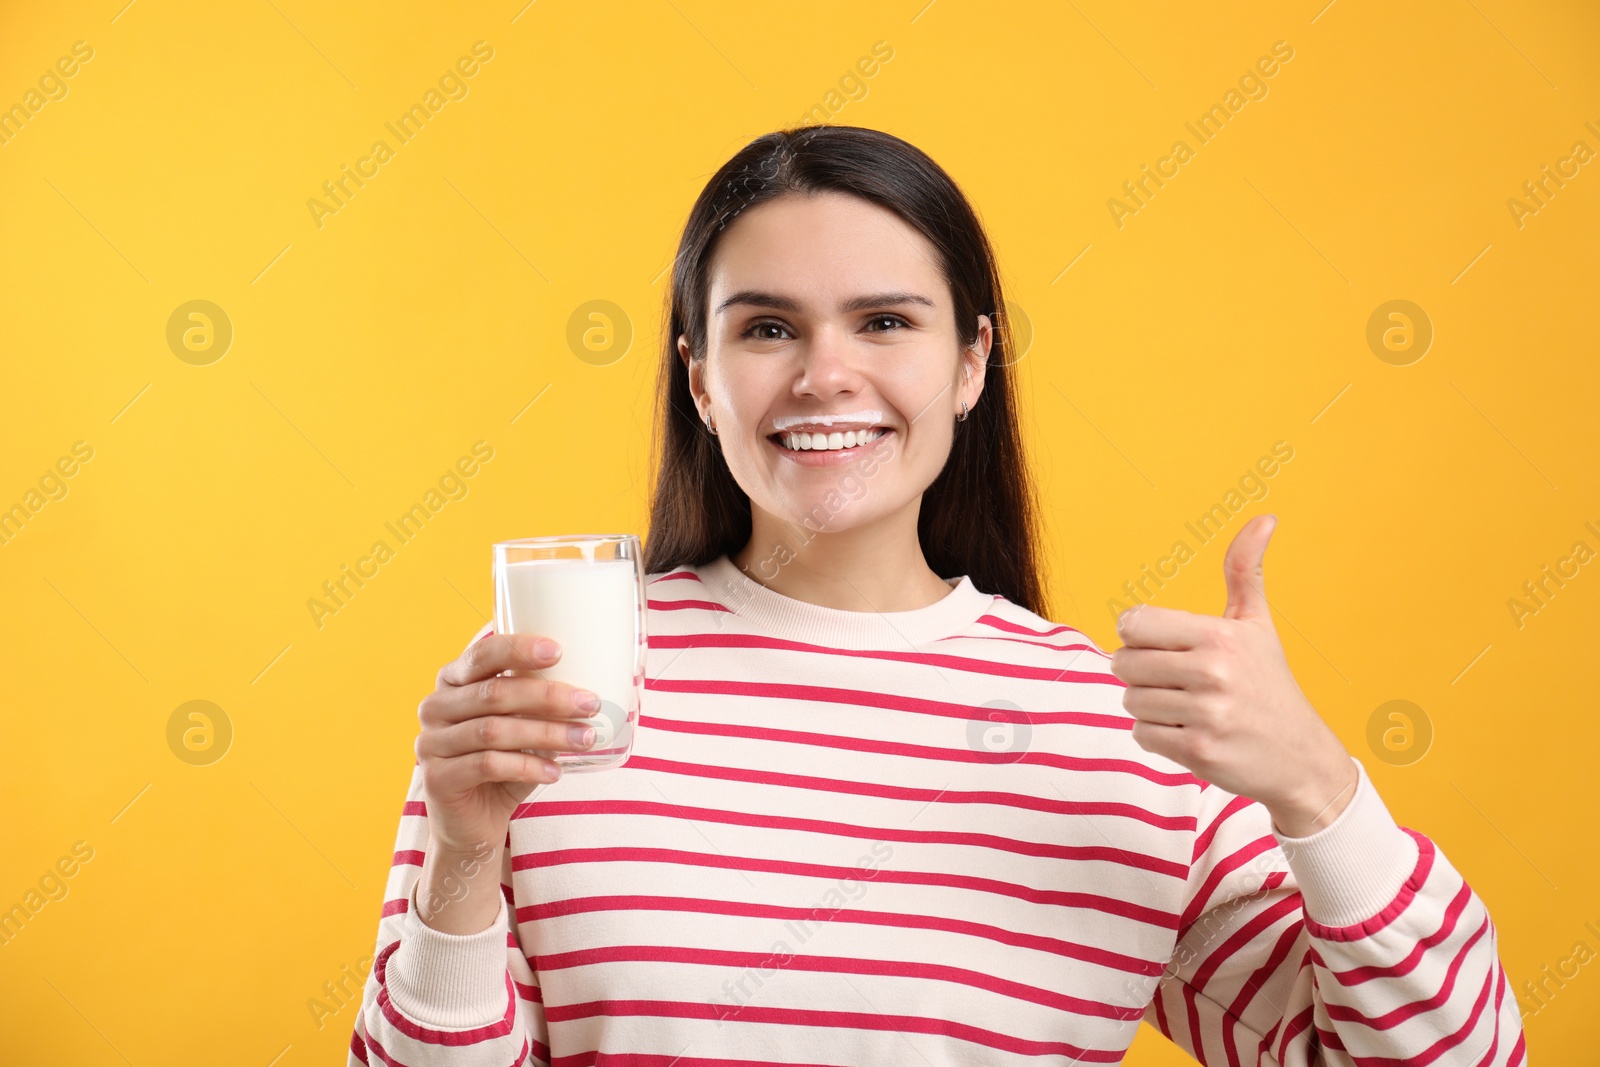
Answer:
(980, 515)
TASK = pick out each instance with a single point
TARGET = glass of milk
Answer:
(586, 593)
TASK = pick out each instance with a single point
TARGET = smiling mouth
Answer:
(832, 441)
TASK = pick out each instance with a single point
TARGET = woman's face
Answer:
(827, 305)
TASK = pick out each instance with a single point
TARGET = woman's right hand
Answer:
(490, 703)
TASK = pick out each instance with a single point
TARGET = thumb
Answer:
(1241, 568)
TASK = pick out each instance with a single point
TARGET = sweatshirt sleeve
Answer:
(1357, 946)
(434, 999)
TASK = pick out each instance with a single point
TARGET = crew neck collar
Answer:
(782, 616)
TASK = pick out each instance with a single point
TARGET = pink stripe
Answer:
(685, 605)
(1230, 1044)
(996, 622)
(1116, 808)
(833, 965)
(415, 807)
(1262, 920)
(1062, 898)
(1266, 1038)
(408, 857)
(1257, 982)
(798, 1017)
(1355, 976)
(1499, 999)
(1271, 1034)
(1301, 1023)
(1390, 1019)
(861, 744)
(643, 1059)
(1202, 899)
(689, 576)
(398, 906)
(1330, 1039)
(965, 636)
(1433, 1051)
(987, 667)
(1105, 853)
(1196, 1035)
(1161, 1011)
(892, 701)
(706, 906)
(1203, 842)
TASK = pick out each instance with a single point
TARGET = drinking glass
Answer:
(586, 593)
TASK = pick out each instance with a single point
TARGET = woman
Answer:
(874, 813)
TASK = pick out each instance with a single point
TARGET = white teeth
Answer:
(820, 442)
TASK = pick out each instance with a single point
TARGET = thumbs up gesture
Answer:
(1216, 695)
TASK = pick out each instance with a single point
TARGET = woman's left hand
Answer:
(1216, 695)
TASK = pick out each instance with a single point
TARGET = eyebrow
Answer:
(756, 298)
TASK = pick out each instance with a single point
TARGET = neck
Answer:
(878, 566)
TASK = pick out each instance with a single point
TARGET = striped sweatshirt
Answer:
(922, 837)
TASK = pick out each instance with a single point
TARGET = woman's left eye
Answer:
(887, 318)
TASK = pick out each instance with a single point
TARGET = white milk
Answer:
(591, 610)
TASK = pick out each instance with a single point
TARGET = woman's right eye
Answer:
(750, 331)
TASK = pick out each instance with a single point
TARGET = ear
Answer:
(975, 364)
(695, 367)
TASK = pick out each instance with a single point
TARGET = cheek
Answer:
(930, 428)
(743, 391)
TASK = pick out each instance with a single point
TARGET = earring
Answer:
(711, 424)
(963, 416)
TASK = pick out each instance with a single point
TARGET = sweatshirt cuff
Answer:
(451, 981)
(1353, 868)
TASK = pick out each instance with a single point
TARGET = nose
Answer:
(828, 364)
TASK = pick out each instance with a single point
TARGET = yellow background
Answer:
(368, 354)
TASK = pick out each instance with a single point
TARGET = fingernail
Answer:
(582, 735)
(546, 649)
(1126, 617)
(585, 701)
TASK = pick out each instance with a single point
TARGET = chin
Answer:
(836, 510)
